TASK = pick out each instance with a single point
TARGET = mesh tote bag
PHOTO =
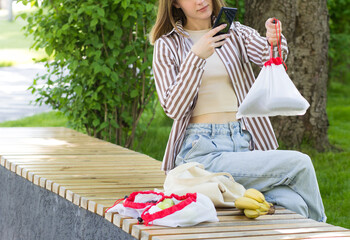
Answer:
(273, 92)
(136, 203)
(191, 177)
(187, 210)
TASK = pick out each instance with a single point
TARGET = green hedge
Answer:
(104, 46)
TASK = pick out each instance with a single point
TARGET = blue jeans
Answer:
(287, 178)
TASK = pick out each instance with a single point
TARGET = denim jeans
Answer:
(287, 178)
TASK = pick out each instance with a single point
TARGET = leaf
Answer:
(149, 7)
(93, 23)
(22, 15)
(78, 89)
(100, 88)
(114, 76)
(125, 3)
(96, 122)
(100, 12)
(81, 10)
(106, 70)
(126, 15)
(110, 44)
(97, 67)
(111, 61)
(49, 50)
(134, 93)
(114, 124)
(65, 27)
(103, 125)
(118, 32)
(129, 48)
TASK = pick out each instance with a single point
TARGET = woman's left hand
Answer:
(271, 34)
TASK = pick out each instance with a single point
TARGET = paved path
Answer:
(14, 97)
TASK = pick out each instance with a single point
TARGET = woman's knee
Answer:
(302, 160)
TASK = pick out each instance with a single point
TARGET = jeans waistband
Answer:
(214, 128)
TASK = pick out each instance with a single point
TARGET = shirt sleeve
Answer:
(258, 48)
(176, 84)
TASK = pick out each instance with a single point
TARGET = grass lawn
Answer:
(48, 119)
(14, 45)
(333, 168)
(12, 37)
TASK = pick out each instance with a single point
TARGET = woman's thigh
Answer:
(259, 169)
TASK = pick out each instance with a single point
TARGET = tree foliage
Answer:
(339, 51)
(103, 48)
(239, 4)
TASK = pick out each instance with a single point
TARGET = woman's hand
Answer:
(271, 34)
(206, 45)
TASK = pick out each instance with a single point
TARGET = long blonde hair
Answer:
(168, 15)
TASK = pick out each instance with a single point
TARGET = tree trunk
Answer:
(305, 25)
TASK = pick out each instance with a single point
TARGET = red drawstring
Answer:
(116, 202)
(279, 41)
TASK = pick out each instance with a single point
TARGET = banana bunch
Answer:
(253, 204)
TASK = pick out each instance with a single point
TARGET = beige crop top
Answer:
(216, 92)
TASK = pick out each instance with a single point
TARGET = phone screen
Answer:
(223, 19)
(226, 15)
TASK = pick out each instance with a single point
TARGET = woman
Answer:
(201, 86)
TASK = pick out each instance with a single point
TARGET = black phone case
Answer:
(226, 15)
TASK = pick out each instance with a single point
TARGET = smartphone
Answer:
(226, 15)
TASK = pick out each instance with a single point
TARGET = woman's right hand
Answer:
(206, 45)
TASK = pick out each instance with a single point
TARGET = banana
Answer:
(251, 213)
(246, 203)
(264, 206)
(254, 194)
(254, 204)
(261, 212)
(267, 204)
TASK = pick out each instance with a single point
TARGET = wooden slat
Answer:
(311, 235)
(59, 151)
(137, 230)
(2, 160)
(149, 234)
(102, 177)
(105, 157)
(100, 164)
(118, 220)
(260, 234)
(128, 224)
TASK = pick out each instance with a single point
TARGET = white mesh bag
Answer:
(188, 210)
(136, 203)
(273, 93)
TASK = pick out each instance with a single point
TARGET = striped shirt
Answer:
(178, 75)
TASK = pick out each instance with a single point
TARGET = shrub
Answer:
(100, 77)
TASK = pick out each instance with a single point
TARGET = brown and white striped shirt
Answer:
(178, 75)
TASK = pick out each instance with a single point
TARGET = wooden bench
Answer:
(93, 174)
